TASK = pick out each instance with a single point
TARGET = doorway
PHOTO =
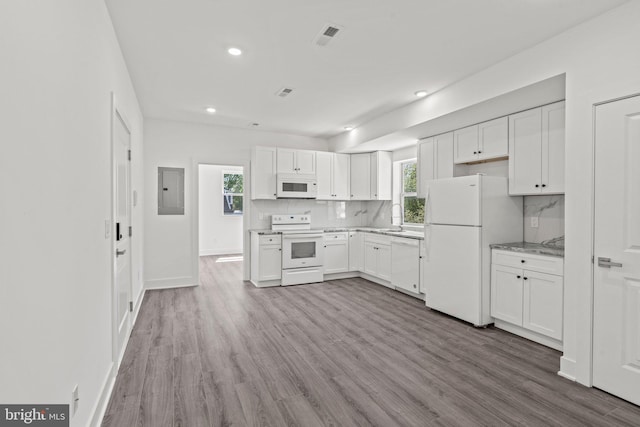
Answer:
(221, 209)
(616, 309)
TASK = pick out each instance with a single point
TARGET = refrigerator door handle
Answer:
(427, 210)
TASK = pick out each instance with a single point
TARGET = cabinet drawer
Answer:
(271, 239)
(336, 237)
(540, 263)
(378, 239)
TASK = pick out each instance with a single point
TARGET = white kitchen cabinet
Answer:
(493, 139)
(384, 262)
(506, 294)
(484, 141)
(263, 173)
(527, 295)
(380, 175)
(435, 160)
(377, 256)
(543, 303)
(296, 161)
(360, 176)
(356, 251)
(333, 176)
(465, 144)
(266, 259)
(336, 252)
(536, 146)
(405, 264)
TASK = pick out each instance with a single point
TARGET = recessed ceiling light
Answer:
(234, 51)
(348, 128)
(210, 110)
(421, 93)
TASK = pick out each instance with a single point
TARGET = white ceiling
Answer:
(176, 51)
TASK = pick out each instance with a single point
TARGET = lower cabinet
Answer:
(356, 251)
(336, 252)
(405, 264)
(526, 297)
(377, 257)
(266, 259)
(270, 262)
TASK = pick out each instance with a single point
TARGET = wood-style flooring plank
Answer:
(342, 353)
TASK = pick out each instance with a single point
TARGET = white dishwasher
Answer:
(405, 264)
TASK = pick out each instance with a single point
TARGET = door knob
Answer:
(607, 263)
(122, 252)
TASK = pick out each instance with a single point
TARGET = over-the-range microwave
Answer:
(296, 186)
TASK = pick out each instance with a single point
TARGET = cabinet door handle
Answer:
(479, 152)
(544, 185)
(525, 278)
(518, 277)
(522, 261)
(537, 185)
(475, 152)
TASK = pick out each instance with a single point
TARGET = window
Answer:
(232, 193)
(412, 207)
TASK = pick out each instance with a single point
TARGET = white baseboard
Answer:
(211, 252)
(99, 409)
(374, 279)
(567, 368)
(172, 282)
(528, 334)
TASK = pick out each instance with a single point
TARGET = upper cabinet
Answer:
(435, 160)
(484, 141)
(371, 176)
(360, 176)
(263, 173)
(536, 144)
(333, 176)
(380, 175)
(296, 161)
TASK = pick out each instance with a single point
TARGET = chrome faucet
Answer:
(401, 213)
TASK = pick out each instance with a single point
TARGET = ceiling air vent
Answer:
(327, 34)
(284, 92)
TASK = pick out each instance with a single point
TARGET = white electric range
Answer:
(302, 249)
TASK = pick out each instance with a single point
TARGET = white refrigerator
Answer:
(463, 216)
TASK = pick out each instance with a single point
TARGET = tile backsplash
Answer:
(323, 213)
(548, 209)
(550, 213)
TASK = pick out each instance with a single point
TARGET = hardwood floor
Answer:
(341, 353)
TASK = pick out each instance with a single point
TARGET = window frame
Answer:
(224, 193)
(404, 194)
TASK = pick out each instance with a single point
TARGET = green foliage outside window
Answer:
(232, 197)
(412, 206)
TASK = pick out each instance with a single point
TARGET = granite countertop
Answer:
(531, 248)
(386, 231)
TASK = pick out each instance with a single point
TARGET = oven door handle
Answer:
(302, 236)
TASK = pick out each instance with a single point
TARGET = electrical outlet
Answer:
(534, 222)
(75, 400)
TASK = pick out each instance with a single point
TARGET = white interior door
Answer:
(122, 297)
(616, 327)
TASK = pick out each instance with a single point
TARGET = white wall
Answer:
(601, 63)
(171, 247)
(60, 62)
(218, 233)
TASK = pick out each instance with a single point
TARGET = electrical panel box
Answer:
(170, 191)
